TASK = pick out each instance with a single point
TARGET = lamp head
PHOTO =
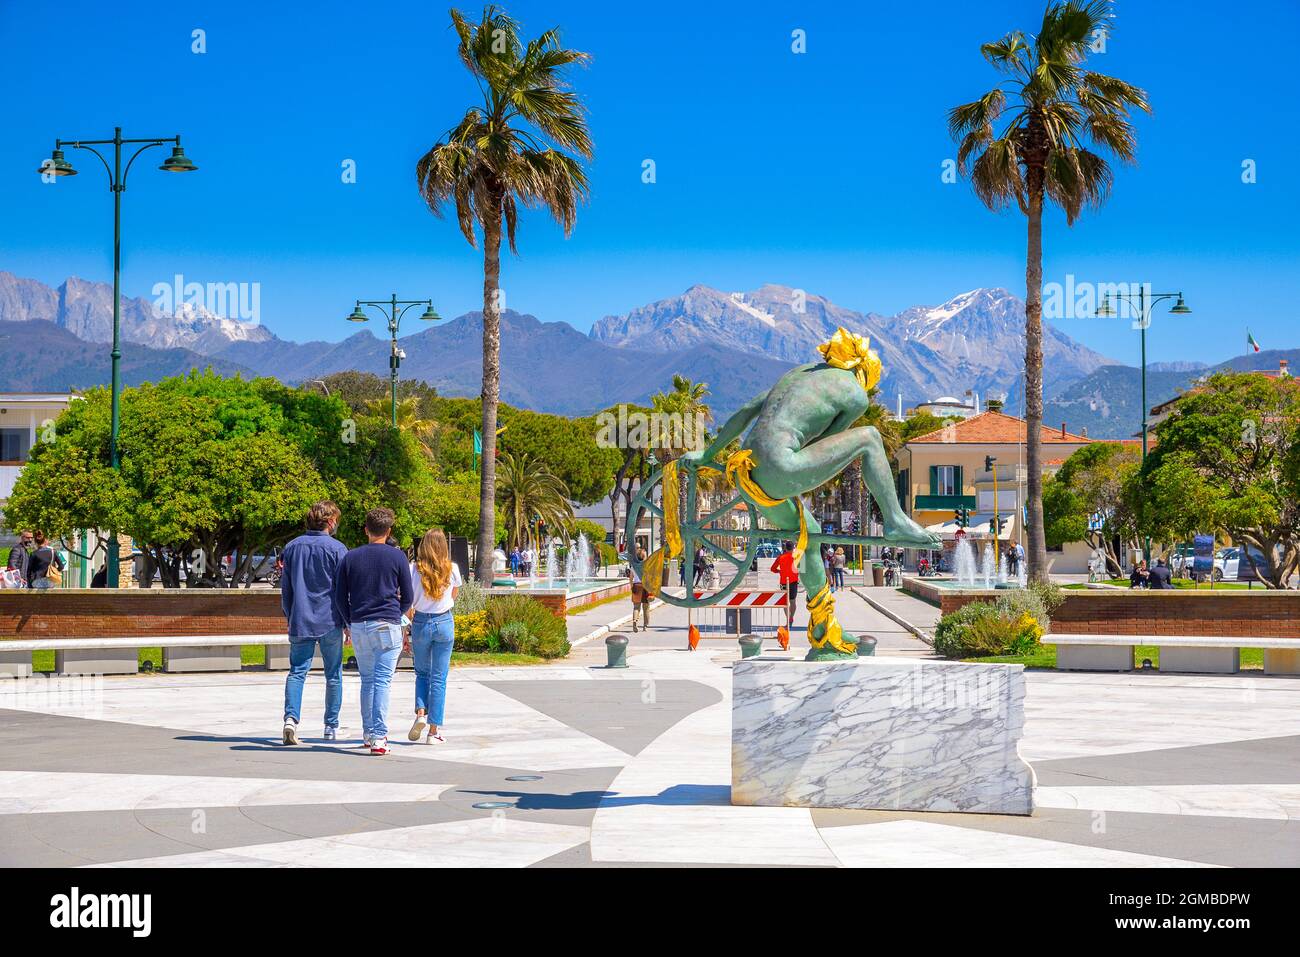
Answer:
(430, 314)
(1180, 308)
(178, 162)
(358, 316)
(1106, 310)
(57, 165)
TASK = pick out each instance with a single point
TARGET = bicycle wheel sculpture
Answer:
(719, 539)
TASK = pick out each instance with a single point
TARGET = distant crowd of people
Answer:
(382, 600)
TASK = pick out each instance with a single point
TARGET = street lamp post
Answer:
(58, 165)
(1107, 311)
(390, 308)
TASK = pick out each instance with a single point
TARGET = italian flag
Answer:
(1250, 341)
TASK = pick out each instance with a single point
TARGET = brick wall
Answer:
(105, 613)
(1254, 614)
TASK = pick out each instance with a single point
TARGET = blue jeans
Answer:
(301, 652)
(839, 577)
(432, 638)
(378, 645)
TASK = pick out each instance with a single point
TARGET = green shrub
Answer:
(471, 598)
(1011, 625)
(526, 627)
(514, 637)
(471, 631)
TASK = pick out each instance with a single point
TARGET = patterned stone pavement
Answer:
(619, 768)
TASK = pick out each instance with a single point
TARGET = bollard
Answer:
(616, 651)
(750, 646)
(866, 646)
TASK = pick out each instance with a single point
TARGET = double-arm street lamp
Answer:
(58, 165)
(393, 310)
(1143, 307)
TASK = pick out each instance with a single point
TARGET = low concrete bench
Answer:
(120, 656)
(1184, 653)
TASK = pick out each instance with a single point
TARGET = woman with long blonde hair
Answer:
(435, 579)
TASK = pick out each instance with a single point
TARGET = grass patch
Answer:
(493, 658)
(256, 655)
(1252, 659)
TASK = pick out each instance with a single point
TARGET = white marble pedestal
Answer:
(888, 734)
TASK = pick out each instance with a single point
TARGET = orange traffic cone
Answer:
(694, 637)
(783, 638)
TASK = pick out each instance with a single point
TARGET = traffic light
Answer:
(988, 463)
(963, 517)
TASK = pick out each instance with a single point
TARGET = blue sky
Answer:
(819, 170)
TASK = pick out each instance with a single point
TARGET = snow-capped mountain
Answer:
(86, 310)
(973, 341)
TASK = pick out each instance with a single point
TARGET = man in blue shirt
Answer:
(311, 562)
(372, 590)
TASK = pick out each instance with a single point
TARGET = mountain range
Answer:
(737, 342)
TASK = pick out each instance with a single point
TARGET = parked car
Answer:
(262, 567)
(1238, 564)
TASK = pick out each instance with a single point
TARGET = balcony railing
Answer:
(940, 503)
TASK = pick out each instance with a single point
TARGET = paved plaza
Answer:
(574, 764)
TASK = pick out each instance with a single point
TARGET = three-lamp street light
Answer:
(1143, 307)
(58, 165)
(394, 309)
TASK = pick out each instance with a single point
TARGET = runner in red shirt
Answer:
(785, 567)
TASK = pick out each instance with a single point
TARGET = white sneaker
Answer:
(290, 731)
(417, 729)
(379, 746)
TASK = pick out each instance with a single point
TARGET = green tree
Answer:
(1088, 500)
(495, 160)
(211, 466)
(528, 491)
(1026, 141)
(567, 447)
(1227, 459)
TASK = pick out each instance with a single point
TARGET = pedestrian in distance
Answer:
(1140, 578)
(435, 581)
(311, 562)
(640, 594)
(44, 565)
(1159, 578)
(788, 575)
(371, 589)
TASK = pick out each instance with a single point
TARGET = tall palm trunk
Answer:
(491, 394)
(1037, 552)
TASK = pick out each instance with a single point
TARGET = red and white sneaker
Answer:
(379, 746)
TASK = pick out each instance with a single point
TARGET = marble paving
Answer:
(574, 765)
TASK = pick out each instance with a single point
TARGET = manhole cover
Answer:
(524, 777)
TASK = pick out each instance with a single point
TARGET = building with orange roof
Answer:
(943, 471)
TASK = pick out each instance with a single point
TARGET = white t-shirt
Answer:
(433, 606)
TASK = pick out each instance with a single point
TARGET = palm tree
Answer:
(527, 490)
(687, 400)
(424, 430)
(1035, 148)
(513, 149)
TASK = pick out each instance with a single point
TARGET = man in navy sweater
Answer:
(371, 591)
(307, 598)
